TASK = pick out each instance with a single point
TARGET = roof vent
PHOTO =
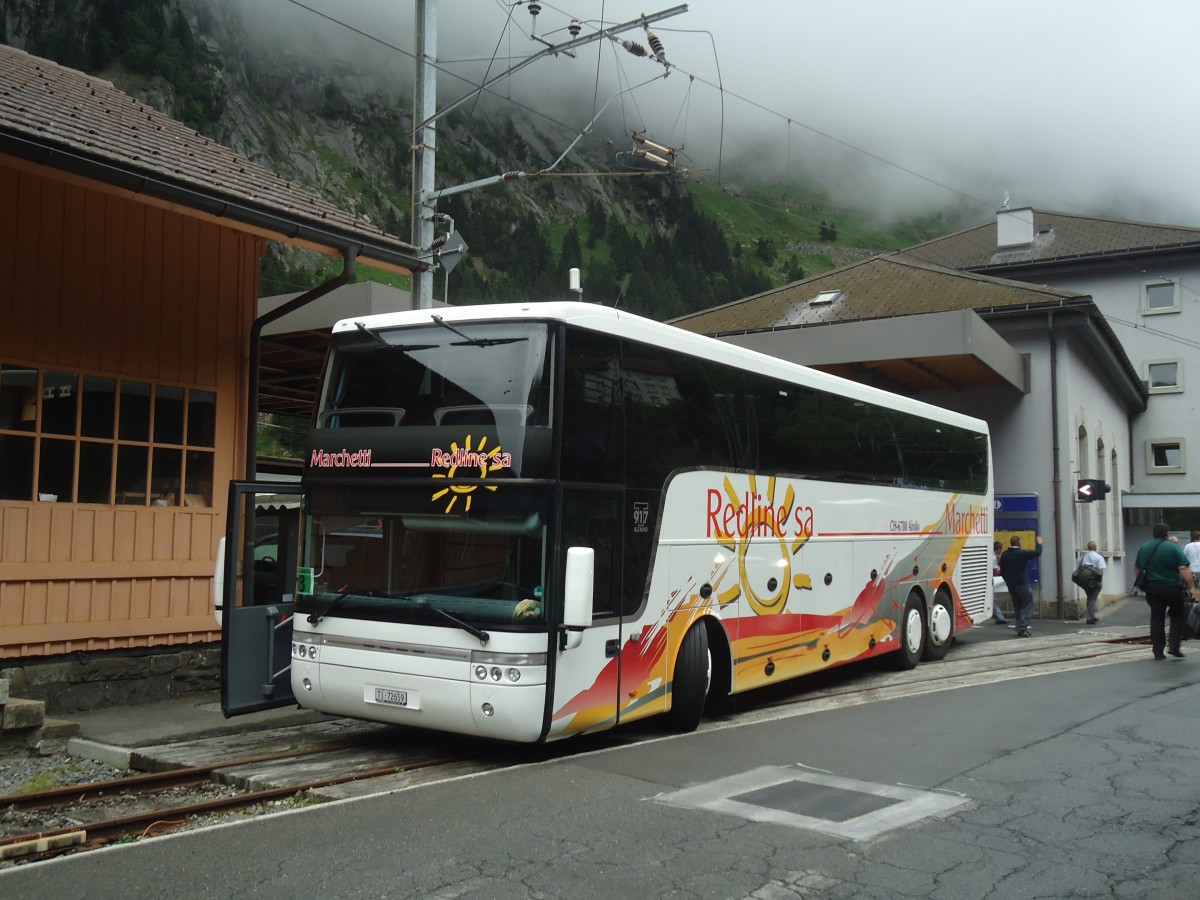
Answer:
(825, 298)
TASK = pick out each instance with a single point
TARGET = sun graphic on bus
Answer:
(464, 462)
(766, 579)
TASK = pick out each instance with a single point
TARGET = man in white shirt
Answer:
(1192, 552)
(1096, 561)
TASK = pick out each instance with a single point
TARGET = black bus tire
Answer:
(911, 634)
(689, 683)
(939, 635)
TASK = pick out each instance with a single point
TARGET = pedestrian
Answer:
(1096, 561)
(1192, 552)
(997, 582)
(1167, 571)
(1014, 563)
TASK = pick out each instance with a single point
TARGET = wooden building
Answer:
(129, 253)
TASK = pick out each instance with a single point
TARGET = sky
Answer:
(902, 107)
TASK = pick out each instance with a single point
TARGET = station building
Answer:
(132, 356)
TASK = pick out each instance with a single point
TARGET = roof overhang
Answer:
(238, 212)
(932, 352)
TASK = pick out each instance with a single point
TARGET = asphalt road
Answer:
(1076, 783)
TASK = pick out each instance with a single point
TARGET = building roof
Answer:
(912, 314)
(895, 284)
(62, 118)
(1054, 238)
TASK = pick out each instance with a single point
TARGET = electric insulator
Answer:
(439, 217)
(655, 44)
(511, 176)
(575, 27)
(438, 243)
(535, 8)
(634, 47)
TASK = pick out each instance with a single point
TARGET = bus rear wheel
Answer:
(912, 634)
(689, 683)
(940, 633)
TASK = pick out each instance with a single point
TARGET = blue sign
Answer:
(1019, 513)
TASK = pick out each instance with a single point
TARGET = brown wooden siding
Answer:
(102, 284)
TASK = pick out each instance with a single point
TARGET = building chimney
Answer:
(1014, 227)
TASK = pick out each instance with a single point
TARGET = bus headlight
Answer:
(495, 673)
(481, 673)
(514, 675)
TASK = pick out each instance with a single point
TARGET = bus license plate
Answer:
(391, 697)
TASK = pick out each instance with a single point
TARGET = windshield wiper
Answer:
(379, 339)
(483, 636)
(314, 618)
(468, 341)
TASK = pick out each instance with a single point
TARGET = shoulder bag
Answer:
(1139, 580)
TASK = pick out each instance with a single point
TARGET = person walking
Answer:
(1014, 563)
(997, 581)
(1167, 570)
(1192, 552)
(1096, 561)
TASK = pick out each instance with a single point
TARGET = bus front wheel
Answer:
(689, 683)
(912, 634)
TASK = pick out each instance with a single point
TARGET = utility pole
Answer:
(425, 114)
(424, 147)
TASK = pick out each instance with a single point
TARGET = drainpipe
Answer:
(349, 255)
(1056, 481)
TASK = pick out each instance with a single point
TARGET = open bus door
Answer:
(255, 593)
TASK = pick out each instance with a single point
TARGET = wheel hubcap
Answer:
(912, 631)
(939, 624)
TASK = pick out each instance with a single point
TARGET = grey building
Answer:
(1042, 364)
(1145, 280)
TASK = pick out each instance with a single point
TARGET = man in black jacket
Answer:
(1014, 570)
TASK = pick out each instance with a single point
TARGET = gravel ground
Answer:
(23, 771)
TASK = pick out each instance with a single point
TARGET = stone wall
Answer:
(85, 681)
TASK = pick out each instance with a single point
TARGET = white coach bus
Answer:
(528, 521)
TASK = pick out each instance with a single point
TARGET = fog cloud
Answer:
(902, 107)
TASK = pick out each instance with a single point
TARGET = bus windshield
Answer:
(408, 388)
(401, 560)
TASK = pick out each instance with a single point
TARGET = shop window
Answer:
(71, 437)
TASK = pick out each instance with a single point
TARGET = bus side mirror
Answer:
(577, 594)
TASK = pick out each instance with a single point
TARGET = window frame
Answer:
(1177, 387)
(1175, 307)
(1152, 443)
(191, 450)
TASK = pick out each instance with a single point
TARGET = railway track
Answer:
(157, 820)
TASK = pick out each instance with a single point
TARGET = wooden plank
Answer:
(61, 517)
(50, 259)
(34, 610)
(142, 628)
(83, 534)
(10, 217)
(112, 295)
(79, 601)
(14, 533)
(57, 594)
(109, 569)
(133, 278)
(20, 315)
(39, 534)
(93, 310)
(75, 295)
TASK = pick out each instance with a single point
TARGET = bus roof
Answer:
(607, 320)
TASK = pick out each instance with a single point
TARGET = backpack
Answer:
(1087, 577)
